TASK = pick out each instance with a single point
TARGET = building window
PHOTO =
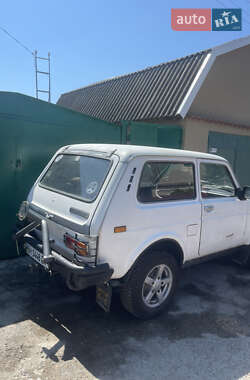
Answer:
(166, 181)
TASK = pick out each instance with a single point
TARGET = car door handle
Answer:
(209, 208)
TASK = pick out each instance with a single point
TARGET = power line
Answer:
(221, 3)
(34, 54)
(225, 6)
(17, 41)
(237, 5)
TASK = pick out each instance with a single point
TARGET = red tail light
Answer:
(77, 246)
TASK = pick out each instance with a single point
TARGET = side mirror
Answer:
(246, 192)
(240, 194)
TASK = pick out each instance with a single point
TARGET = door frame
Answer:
(202, 200)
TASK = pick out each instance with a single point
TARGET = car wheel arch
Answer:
(167, 245)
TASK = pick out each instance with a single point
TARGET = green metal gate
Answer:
(31, 132)
(236, 149)
(165, 136)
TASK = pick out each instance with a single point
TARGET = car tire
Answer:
(150, 284)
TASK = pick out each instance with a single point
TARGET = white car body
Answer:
(199, 227)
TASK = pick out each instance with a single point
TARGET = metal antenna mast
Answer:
(42, 73)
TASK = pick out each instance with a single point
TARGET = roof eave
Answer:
(205, 68)
(230, 46)
(196, 85)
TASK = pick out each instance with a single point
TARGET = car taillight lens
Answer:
(77, 246)
(23, 211)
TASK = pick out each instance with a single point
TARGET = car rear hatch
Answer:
(67, 194)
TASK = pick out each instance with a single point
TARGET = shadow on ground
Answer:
(212, 305)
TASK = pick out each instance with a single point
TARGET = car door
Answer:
(223, 213)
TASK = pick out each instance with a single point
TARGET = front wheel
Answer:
(150, 285)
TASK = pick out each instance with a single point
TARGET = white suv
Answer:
(132, 217)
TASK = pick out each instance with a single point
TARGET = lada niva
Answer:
(130, 217)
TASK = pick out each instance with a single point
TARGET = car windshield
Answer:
(77, 176)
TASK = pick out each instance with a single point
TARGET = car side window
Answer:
(216, 181)
(166, 181)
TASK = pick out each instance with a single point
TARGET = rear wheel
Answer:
(150, 285)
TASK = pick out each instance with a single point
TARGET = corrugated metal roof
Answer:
(153, 93)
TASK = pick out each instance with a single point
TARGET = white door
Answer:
(223, 213)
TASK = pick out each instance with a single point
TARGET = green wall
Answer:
(31, 131)
(140, 133)
(236, 149)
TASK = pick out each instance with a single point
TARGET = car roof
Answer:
(126, 152)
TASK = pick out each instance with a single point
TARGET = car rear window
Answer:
(77, 176)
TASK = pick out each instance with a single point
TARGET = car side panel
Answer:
(223, 220)
(247, 226)
(146, 223)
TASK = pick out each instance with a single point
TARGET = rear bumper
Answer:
(77, 277)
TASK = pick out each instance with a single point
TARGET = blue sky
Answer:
(94, 40)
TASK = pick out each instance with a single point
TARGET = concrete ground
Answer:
(48, 332)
